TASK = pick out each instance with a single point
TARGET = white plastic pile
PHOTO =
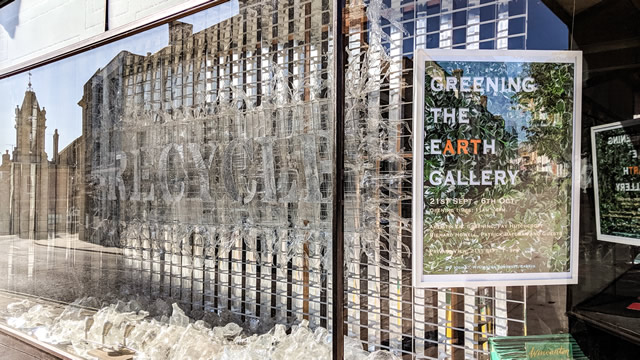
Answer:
(174, 337)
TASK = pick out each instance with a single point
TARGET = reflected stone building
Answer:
(185, 136)
(29, 171)
(5, 194)
(37, 192)
(25, 178)
(67, 188)
(211, 152)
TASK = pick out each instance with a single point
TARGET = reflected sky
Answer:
(59, 86)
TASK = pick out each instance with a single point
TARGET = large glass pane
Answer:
(384, 309)
(170, 194)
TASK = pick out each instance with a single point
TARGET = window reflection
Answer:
(188, 177)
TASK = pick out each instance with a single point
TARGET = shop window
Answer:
(459, 18)
(517, 25)
(192, 191)
(459, 4)
(487, 31)
(459, 36)
(473, 16)
(433, 41)
(516, 43)
(433, 23)
(488, 13)
(517, 7)
(446, 5)
(433, 7)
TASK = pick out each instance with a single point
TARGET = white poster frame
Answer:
(421, 280)
(596, 190)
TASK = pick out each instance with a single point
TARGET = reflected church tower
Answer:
(29, 171)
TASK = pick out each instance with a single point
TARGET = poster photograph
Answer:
(616, 181)
(496, 152)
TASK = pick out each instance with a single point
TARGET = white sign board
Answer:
(496, 152)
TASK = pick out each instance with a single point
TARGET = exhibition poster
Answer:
(616, 181)
(496, 157)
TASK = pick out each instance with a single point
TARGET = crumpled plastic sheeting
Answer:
(377, 10)
(374, 222)
(172, 337)
(210, 241)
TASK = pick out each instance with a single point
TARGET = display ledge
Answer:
(614, 309)
(46, 351)
(624, 327)
(123, 330)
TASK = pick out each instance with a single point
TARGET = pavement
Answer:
(71, 242)
(63, 268)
